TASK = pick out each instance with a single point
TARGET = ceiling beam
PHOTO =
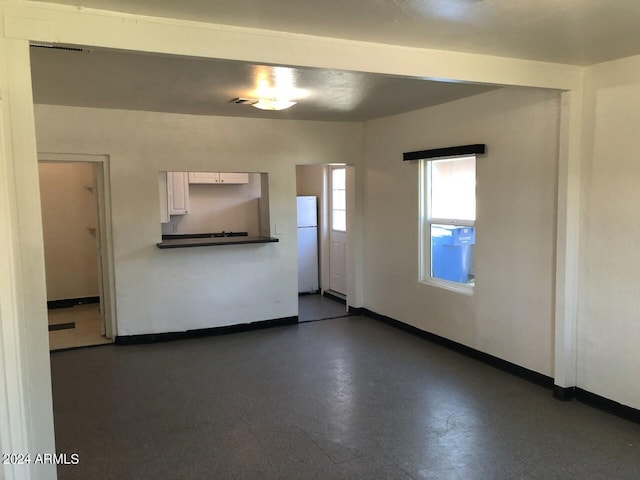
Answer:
(71, 25)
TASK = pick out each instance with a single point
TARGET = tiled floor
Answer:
(349, 398)
(86, 331)
(316, 307)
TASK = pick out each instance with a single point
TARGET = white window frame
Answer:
(427, 220)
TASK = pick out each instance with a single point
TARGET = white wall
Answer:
(510, 313)
(179, 289)
(609, 292)
(217, 208)
(69, 210)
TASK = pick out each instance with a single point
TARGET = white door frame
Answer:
(103, 197)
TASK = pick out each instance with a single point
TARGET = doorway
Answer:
(77, 250)
(315, 185)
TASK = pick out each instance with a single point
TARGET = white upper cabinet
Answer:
(234, 177)
(204, 177)
(218, 178)
(178, 193)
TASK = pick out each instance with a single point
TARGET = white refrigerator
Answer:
(307, 245)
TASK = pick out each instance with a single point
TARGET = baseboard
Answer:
(203, 332)
(332, 296)
(71, 302)
(564, 393)
(607, 405)
(522, 372)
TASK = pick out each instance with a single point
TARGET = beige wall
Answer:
(180, 289)
(69, 210)
(510, 313)
(217, 208)
(609, 296)
(309, 180)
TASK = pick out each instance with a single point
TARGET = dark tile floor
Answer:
(316, 307)
(349, 398)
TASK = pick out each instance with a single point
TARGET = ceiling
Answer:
(578, 32)
(148, 82)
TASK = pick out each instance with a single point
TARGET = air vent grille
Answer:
(58, 47)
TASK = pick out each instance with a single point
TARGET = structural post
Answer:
(567, 246)
(26, 412)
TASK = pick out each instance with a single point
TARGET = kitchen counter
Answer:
(198, 240)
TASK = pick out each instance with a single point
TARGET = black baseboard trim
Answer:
(357, 310)
(203, 332)
(333, 297)
(610, 406)
(564, 393)
(71, 302)
(522, 372)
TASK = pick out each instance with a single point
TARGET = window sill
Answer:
(465, 289)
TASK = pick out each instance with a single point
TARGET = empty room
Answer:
(466, 304)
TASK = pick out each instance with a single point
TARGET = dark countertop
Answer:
(174, 236)
(213, 241)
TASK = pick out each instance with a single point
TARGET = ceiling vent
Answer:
(244, 101)
(58, 47)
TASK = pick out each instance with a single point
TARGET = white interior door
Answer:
(338, 230)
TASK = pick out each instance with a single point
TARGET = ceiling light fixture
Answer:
(273, 104)
(275, 89)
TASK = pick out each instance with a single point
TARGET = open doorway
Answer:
(76, 251)
(320, 297)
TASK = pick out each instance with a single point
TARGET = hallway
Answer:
(349, 398)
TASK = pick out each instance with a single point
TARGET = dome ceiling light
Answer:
(275, 89)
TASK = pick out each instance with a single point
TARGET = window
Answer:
(447, 216)
(339, 199)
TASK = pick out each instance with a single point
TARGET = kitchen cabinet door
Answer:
(178, 193)
(218, 177)
(234, 177)
(204, 177)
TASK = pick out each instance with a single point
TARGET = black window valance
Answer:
(475, 149)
